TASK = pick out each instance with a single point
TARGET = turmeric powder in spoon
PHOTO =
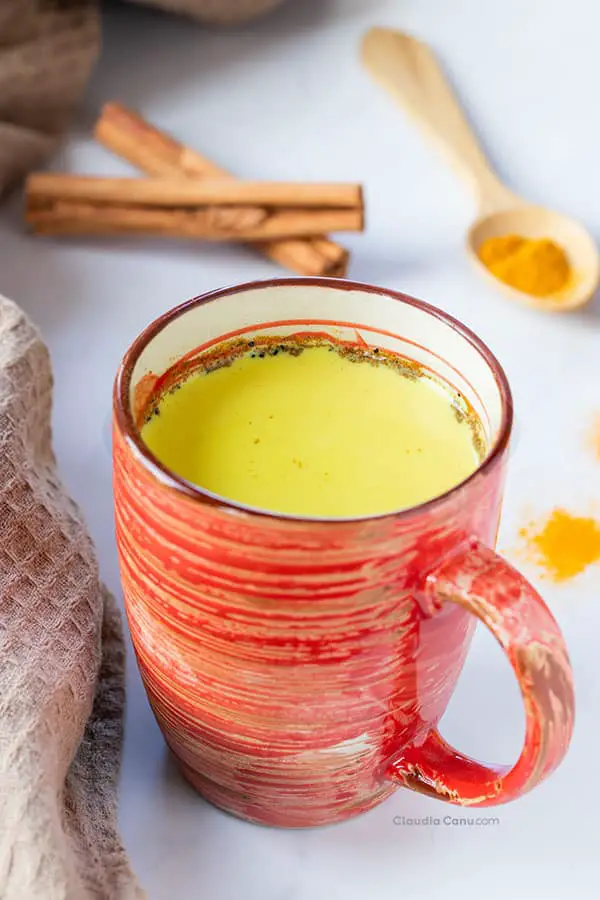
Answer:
(535, 266)
(537, 273)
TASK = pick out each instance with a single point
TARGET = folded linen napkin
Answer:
(47, 51)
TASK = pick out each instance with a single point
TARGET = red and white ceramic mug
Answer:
(298, 668)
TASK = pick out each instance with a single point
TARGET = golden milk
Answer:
(315, 433)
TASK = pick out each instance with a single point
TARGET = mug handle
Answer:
(486, 585)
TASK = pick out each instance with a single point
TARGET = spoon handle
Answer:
(409, 71)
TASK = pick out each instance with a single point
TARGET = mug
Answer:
(297, 667)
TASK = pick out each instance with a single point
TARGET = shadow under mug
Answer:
(299, 668)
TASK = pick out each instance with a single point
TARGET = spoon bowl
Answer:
(408, 69)
(537, 222)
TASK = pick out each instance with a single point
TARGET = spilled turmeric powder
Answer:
(565, 546)
(535, 266)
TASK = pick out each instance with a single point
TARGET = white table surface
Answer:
(285, 98)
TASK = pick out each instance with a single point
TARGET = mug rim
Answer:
(170, 479)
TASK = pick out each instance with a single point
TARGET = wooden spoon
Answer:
(408, 69)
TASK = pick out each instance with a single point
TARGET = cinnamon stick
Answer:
(43, 187)
(131, 137)
(227, 223)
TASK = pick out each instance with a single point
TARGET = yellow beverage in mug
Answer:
(316, 430)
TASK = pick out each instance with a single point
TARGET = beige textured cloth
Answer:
(61, 660)
(47, 51)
